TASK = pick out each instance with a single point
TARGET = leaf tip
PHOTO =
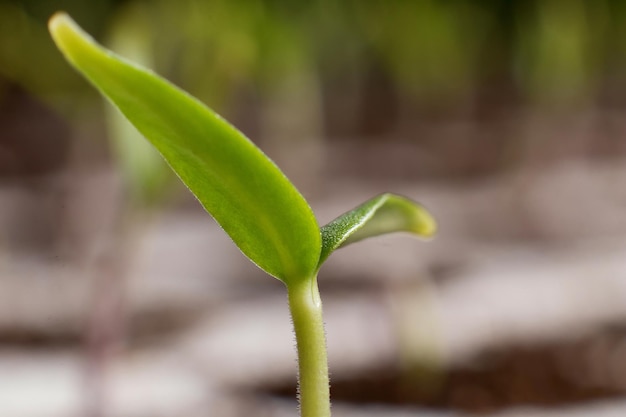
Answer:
(57, 21)
(428, 226)
(66, 33)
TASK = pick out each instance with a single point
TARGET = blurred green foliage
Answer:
(146, 175)
(551, 50)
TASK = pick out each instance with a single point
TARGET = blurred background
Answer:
(506, 118)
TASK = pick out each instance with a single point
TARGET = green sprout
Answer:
(245, 192)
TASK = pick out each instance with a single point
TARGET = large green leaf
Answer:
(386, 213)
(262, 212)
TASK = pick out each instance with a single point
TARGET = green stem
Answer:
(306, 312)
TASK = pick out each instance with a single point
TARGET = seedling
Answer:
(244, 191)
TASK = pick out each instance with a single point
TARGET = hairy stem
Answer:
(306, 312)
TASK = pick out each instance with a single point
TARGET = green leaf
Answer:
(386, 213)
(252, 200)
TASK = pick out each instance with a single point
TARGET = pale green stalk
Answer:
(306, 312)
